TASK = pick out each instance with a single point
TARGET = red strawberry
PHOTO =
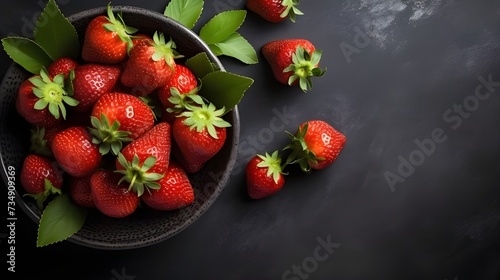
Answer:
(41, 99)
(150, 65)
(264, 175)
(119, 117)
(74, 151)
(293, 61)
(91, 81)
(190, 168)
(62, 65)
(145, 160)
(112, 198)
(107, 39)
(173, 96)
(40, 177)
(200, 133)
(175, 190)
(274, 10)
(315, 145)
(80, 191)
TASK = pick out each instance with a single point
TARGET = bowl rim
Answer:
(220, 185)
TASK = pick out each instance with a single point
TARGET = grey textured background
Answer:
(398, 73)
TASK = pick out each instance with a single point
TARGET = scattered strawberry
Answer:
(275, 10)
(41, 99)
(175, 190)
(112, 198)
(150, 65)
(40, 178)
(145, 160)
(293, 61)
(80, 191)
(74, 151)
(264, 175)
(173, 95)
(119, 117)
(315, 145)
(107, 39)
(91, 81)
(62, 65)
(200, 133)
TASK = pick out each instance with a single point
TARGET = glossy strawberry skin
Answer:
(197, 147)
(25, 102)
(74, 151)
(142, 73)
(91, 82)
(279, 53)
(154, 142)
(62, 65)
(131, 112)
(35, 170)
(110, 198)
(80, 191)
(175, 190)
(324, 141)
(259, 183)
(270, 10)
(102, 46)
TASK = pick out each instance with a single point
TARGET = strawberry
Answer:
(145, 160)
(264, 175)
(293, 61)
(40, 178)
(74, 151)
(315, 145)
(91, 81)
(111, 197)
(62, 65)
(173, 96)
(119, 117)
(175, 190)
(200, 132)
(41, 99)
(150, 65)
(274, 10)
(80, 191)
(107, 39)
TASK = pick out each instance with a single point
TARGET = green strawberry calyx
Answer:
(38, 144)
(137, 175)
(290, 9)
(204, 116)
(41, 197)
(108, 136)
(300, 152)
(182, 101)
(164, 50)
(273, 164)
(304, 66)
(118, 25)
(52, 93)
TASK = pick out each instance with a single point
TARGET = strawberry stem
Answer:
(304, 66)
(205, 117)
(291, 10)
(51, 93)
(119, 26)
(138, 175)
(108, 137)
(273, 164)
(300, 153)
(164, 50)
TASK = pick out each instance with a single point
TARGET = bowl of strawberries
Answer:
(109, 136)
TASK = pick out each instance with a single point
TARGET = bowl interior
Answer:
(145, 226)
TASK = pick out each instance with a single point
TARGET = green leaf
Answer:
(187, 12)
(224, 89)
(55, 34)
(222, 25)
(60, 220)
(26, 53)
(200, 65)
(238, 47)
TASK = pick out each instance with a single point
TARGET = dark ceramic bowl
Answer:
(145, 227)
